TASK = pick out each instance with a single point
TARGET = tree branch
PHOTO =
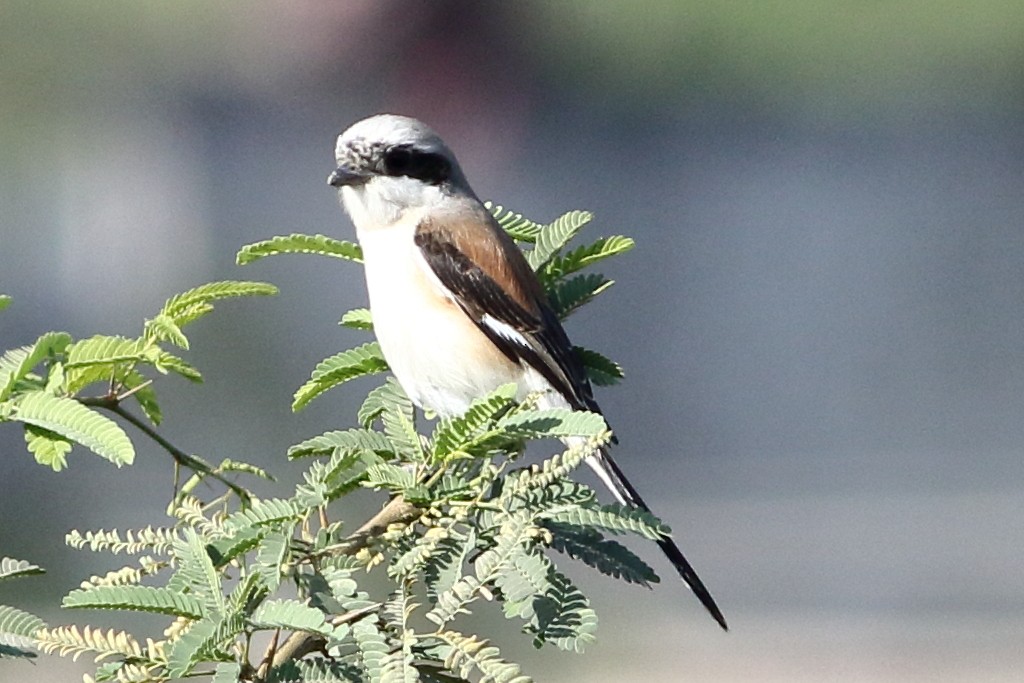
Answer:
(194, 463)
(299, 644)
(396, 511)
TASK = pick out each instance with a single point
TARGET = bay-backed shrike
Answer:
(456, 307)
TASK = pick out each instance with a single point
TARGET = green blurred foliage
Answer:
(847, 54)
(55, 55)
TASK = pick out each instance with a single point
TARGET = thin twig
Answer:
(192, 462)
(396, 511)
(269, 656)
(137, 387)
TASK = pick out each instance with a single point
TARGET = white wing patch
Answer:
(505, 331)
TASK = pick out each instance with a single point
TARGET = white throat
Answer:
(384, 201)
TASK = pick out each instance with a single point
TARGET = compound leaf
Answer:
(72, 420)
(297, 243)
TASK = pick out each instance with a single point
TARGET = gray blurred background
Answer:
(821, 324)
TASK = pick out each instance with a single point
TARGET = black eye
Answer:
(426, 166)
(397, 161)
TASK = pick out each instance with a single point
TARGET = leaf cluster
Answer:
(462, 525)
(43, 385)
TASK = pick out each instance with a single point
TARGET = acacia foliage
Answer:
(463, 526)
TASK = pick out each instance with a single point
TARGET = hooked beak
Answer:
(347, 175)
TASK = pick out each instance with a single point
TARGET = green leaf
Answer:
(292, 615)
(196, 572)
(458, 433)
(568, 295)
(587, 255)
(388, 397)
(155, 540)
(437, 541)
(517, 531)
(521, 229)
(524, 580)
(190, 648)
(545, 494)
(69, 641)
(102, 358)
(401, 431)
(555, 235)
(202, 642)
(373, 649)
(17, 630)
(563, 616)
(72, 420)
(347, 441)
(615, 517)
(223, 550)
(299, 244)
(166, 362)
(227, 672)
(357, 319)
(456, 483)
(105, 350)
(49, 448)
(603, 554)
(452, 602)
(164, 328)
(398, 664)
(271, 557)
(558, 466)
(339, 368)
(247, 594)
(326, 481)
(17, 363)
(469, 653)
(553, 423)
(11, 568)
(263, 512)
(5, 301)
(129, 670)
(153, 599)
(316, 671)
(129, 575)
(445, 563)
(337, 572)
(392, 477)
(398, 667)
(602, 371)
(55, 379)
(229, 465)
(192, 304)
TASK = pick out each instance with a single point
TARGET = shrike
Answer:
(456, 308)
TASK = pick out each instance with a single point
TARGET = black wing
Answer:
(531, 335)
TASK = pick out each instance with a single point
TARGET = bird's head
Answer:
(389, 164)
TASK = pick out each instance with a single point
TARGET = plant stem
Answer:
(192, 462)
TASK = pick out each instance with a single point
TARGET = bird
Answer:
(456, 308)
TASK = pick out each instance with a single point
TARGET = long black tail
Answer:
(613, 477)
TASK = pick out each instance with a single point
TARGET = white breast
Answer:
(439, 356)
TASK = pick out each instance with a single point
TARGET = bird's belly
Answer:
(436, 352)
(439, 356)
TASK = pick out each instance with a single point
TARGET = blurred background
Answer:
(821, 325)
